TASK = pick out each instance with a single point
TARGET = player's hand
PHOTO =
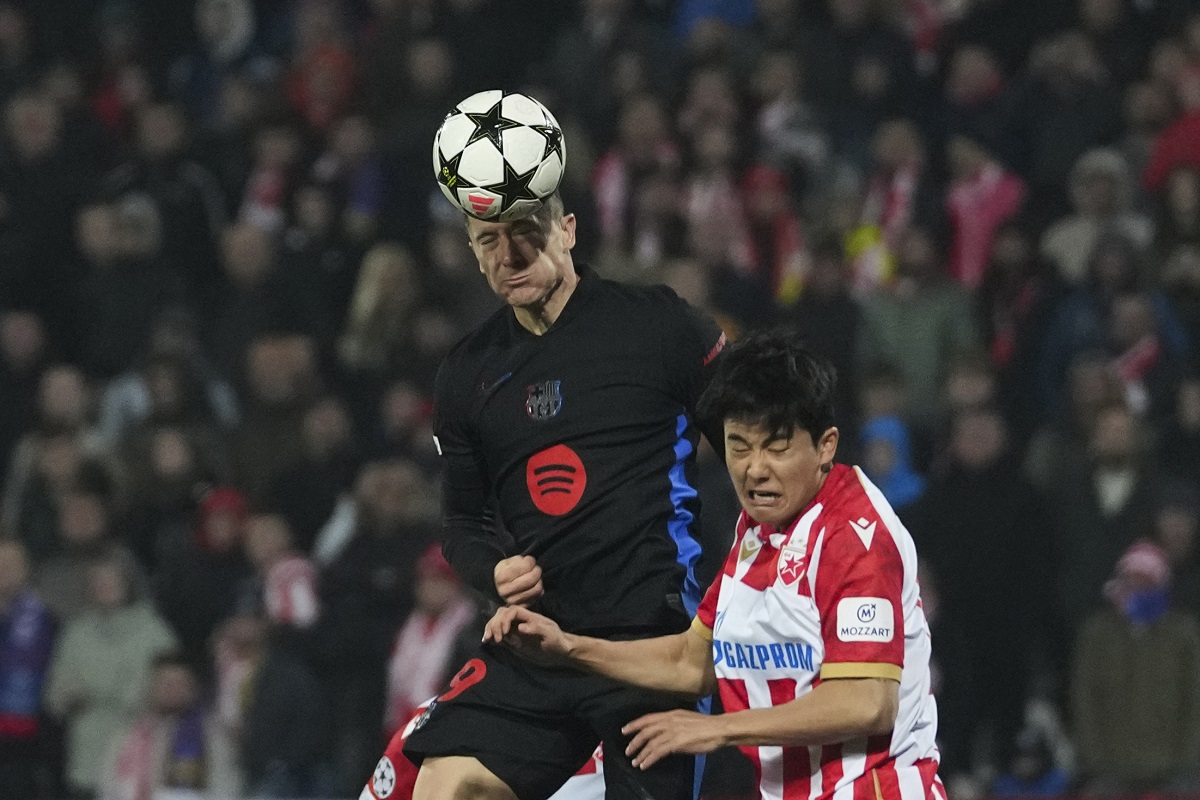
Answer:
(656, 736)
(518, 580)
(528, 631)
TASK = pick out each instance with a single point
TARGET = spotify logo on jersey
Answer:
(556, 480)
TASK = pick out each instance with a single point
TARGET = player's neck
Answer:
(538, 317)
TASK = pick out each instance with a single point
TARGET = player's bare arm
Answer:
(680, 664)
(518, 580)
(834, 711)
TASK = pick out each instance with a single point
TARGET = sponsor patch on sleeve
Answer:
(865, 619)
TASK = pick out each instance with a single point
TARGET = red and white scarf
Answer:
(420, 659)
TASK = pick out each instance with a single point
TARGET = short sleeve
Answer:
(858, 595)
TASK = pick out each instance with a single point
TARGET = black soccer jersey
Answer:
(584, 437)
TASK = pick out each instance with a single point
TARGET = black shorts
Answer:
(534, 727)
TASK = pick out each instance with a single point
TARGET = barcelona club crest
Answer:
(544, 400)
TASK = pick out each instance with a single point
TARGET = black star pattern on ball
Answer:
(448, 169)
(489, 125)
(515, 187)
(554, 140)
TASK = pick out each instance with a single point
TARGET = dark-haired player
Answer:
(571, 412)
(814, 632)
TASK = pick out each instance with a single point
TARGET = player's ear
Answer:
(827, 448)
(568, 228)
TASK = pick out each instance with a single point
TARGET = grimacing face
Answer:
(522, 261)
(775, 477)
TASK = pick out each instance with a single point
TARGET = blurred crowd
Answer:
(227, 279)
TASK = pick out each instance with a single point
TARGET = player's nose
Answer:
(756, 466)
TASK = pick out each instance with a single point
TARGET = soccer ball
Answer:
(498, 155)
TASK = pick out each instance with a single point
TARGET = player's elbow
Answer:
(693, 665)
(880, 707)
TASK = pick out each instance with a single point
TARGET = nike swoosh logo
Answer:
(488, 388)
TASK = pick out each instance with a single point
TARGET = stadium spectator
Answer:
(377, 339)
(1177, 531)
(1177, 219)
(367, 569)
(919, 324)
(27, 633)
(903, 188)
(197, 582)
(1102, 197)
(1147, 109)
(1107, 502)
(317, 255)
(982, 195)
(184, 197)
(1148, 370)
(61, 418)
(101, 669)
(1181, 439)
(1060, 444)
(285, 588)
(226, 30)
(829, 318)
(280, 710)
(23, 352)
(887, 461)
(1138, 662)
(1180, 280)
(43, 183)
(281, 381)
(985, 536)
(1176, 145)
(173, 746)
(1070, 106)
(1032, 771)
(307, 493)
(1015, 302)
(86, 532)
(427, 648)
(166, 471)
(127, 401)
(277, 149)
(1081, 319)
(789, 129)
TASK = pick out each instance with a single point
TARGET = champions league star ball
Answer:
(498, 155)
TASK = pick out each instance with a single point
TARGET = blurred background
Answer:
(227, 278)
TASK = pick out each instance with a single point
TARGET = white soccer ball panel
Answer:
(523, 148)
(480, 101)
(520, 208)
(479, 203)
(451, 196)
(524, 109)
(481, 164)
(548, 176)
(453, 135)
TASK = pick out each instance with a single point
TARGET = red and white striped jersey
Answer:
(833, 596)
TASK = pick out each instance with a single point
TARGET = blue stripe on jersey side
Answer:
(680, 524)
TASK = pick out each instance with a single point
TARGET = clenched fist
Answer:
(518, 580)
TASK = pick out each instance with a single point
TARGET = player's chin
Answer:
(524, 295)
